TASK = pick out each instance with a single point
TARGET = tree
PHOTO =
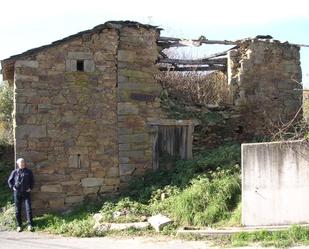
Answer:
(6, 109)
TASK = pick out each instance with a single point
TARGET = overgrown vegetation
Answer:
(6, 108)
(196, 87)
(6, 155)
(203, 191)
(7, 211)
(285, 238)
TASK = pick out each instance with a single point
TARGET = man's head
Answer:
(21, 163)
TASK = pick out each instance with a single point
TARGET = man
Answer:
(21, 182)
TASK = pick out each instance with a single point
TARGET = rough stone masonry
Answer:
(83, 106)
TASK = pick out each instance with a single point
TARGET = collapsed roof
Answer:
(217, 61)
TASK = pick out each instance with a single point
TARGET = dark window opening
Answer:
(80, 65)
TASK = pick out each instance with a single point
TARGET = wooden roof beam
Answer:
(215, 61)
(197, 68)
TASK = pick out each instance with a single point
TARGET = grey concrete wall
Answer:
(275, 183)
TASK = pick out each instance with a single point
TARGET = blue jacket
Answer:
(21, 179)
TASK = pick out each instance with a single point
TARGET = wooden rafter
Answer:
(214, 61)
(196, 68)
(168, 42)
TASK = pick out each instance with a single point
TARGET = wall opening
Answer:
(80, 65)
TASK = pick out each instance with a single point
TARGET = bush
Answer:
(7, 217)
(196, 87)
(6, 108)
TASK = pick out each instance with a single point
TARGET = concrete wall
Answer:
(275, 183)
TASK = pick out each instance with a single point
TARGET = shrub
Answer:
(7, 217)
(196, 87)
(6, 108)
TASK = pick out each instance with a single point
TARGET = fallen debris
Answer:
(159, 221)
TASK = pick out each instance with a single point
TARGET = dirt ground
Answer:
(27, 240)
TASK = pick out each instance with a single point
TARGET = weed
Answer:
(284, 238)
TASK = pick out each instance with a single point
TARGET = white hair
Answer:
(19, 160)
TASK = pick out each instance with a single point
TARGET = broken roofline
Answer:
(163, 42)
(167, 42)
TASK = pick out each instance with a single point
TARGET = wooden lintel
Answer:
(215, 61)
(187, 69)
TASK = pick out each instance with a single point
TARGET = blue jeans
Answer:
(19, 198)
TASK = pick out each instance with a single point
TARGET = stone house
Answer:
(87, 108)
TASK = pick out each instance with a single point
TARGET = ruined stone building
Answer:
(87, 113)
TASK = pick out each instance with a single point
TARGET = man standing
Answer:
(21, 181)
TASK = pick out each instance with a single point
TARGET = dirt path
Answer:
(26, 240)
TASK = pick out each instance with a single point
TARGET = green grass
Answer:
(79, 226)
(78, 223)
(207, 200)
(285, 238)
(294, 236)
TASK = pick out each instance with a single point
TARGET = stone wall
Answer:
(66, 120)
(138, 100)
(85, 131)
(263, 76)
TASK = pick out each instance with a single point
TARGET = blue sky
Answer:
(28, 24)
